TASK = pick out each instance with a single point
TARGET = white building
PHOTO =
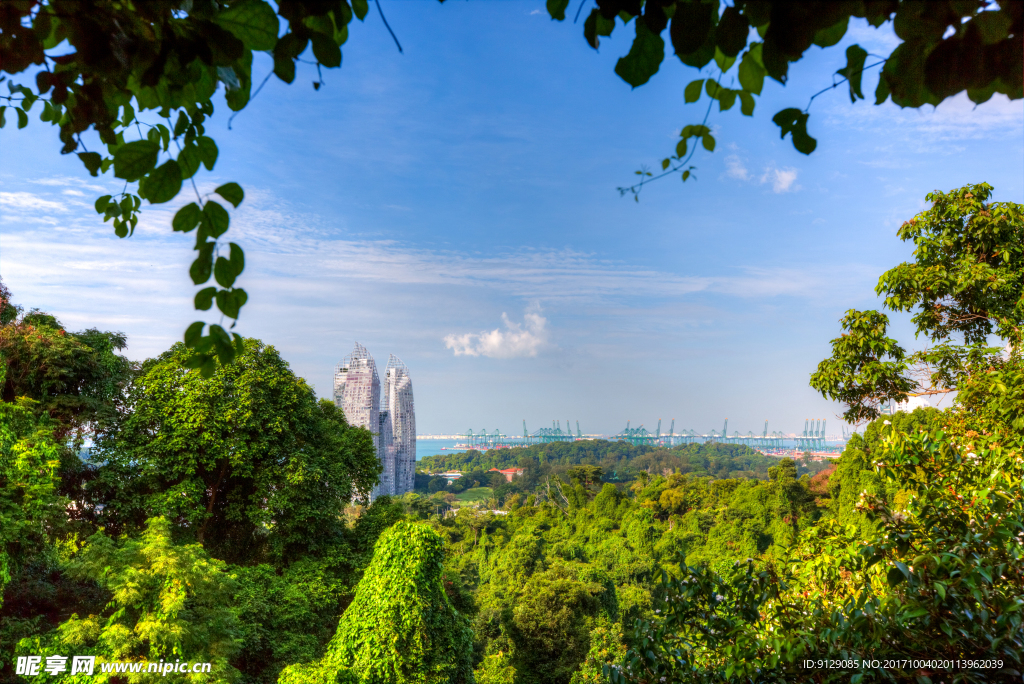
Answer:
(391, 418)
(402, 412)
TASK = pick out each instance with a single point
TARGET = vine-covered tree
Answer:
(401, 627)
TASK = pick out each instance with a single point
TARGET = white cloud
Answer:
(26, 201)
(536, 11)
(513, 341)
(782, 180)
(734, 168)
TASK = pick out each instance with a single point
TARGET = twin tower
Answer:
(393, 420)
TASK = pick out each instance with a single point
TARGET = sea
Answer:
(430, 447)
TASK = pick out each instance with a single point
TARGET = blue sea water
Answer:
(430, 447)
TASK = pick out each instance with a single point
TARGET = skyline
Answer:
(457, 202)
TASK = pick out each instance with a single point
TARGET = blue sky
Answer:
(455, 205)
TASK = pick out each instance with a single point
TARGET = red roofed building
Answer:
(509, 474)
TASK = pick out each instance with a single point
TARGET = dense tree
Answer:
(246, 462)
(167, 601)
(965, 286)
(76, 378)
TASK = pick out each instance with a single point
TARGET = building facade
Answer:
(390, 418)
(402, 412)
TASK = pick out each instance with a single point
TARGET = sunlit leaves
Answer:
(866, 367)
(254, 22)
(751, 71)
(794, 121)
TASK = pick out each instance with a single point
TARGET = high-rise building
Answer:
(393, 420)
(402, 414)
(357, 394)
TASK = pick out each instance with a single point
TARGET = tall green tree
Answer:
(965, 287)
(245, 462)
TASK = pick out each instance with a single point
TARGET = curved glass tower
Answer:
(357, 394)
(402, 415)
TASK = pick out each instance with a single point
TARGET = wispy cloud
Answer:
(512, 341)
(27, 201)
(734, 168)
(782, 180)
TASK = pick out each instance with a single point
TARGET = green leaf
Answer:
(187, 218)
(993, 26)
(101, 204)
(163, 184)
(227, 304)
(204, 298)
(692, 92)
(360, 8)
(940, 589)
(237, 258)
(556, 8)
(92, 161)
(223, 273)
(253, 22)
(202, 267)
(22, 118)
(708, 141)
(726, 99)
(894, 577)
(232, 192)
(665, 163)
(222, 344)
(794, 121)
(882, 89)
(134, 160)
(326, 50)
(681, 148)
(182, 125)
(215, 219)
(752, 71)
(284, 68)
(833, 34)
(189, 160)
(207, 151)
(644, 58)
(746, 102)
(2, 115)
(854, 70)
(193, 333)
(724, 61)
